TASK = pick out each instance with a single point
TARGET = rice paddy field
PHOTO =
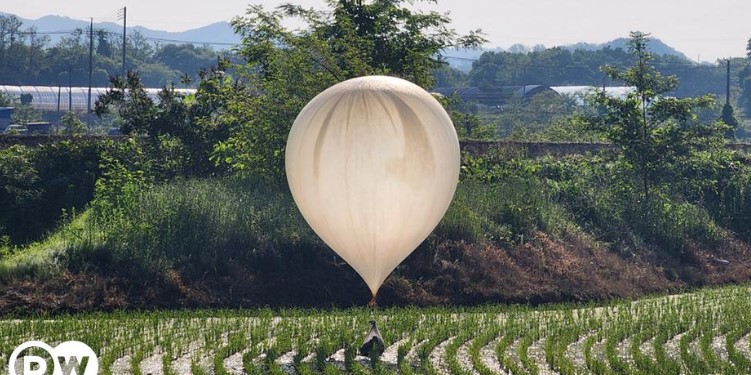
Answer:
(702, 332)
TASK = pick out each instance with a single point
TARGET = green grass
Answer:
(205, 224)
(202, 224)
(43, 258)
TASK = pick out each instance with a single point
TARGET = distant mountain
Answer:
(220, 35)
(656, 46)
(462, 59)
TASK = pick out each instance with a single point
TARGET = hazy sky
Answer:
(699, 28)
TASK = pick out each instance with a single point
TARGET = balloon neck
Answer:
(372, 303)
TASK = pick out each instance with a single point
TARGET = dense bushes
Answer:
(731, 204)
(149, 224)
(600, 198)
(502, 212)
(40, 186)
(198, 225)
(201, 226)
(36, 185)
(243, 242)
(204, 225)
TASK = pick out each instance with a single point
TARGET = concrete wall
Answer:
(534, 149)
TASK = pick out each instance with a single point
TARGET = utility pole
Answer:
(125, 21)
(727, 111)
(32, 36)
(70, 87)
(727, 84)
(91, 62)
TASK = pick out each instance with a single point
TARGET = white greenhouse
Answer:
(76, 99)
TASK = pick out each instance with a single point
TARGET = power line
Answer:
(460, 58)
(47, 32)
(112, 33)
(191, 41)
(671, 66)
(175, 40)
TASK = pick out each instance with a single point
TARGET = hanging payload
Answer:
(373, 345)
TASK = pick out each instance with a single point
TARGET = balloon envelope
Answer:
(372, 164)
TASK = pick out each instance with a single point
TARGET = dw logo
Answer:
(68, 358)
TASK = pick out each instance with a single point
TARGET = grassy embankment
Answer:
(519, 230)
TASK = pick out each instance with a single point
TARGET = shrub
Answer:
(672, 224)
(503, 212)
(197, 225)
(37, 184)
(732, 206)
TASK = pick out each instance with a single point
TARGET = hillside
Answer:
(656, 46)
(521, 229)
(462, 59)
(219, 35)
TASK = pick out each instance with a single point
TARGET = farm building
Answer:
(579, 92)
(498, 96)
(65, 99)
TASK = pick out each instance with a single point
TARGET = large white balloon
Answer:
(373, 164)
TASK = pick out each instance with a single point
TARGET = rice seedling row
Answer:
(707, 331)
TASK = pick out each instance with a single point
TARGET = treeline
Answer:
(551, 117)
(28, 58)
(561, 67)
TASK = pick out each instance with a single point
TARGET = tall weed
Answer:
(504, 211)
(199, 224)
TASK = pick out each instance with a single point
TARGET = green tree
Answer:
(729, 119)
(138, 48)
(561, 67)
(660, 136)
(286, 68)
(447, 76)
(72, 124)
(128, 97)
(68, 57)
(186, 58)
(471, 127)
(744, 101)
(181, 131)
(103, 45)
(19, 192)
(25, 114)
(7, 100)
(10, 30)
